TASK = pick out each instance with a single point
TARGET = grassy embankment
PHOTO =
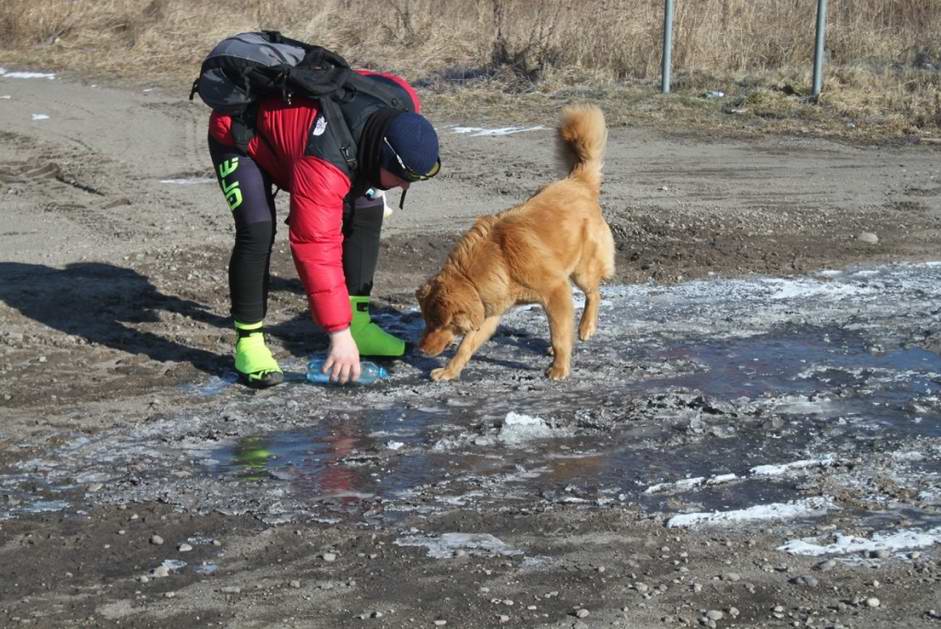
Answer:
(514, 60)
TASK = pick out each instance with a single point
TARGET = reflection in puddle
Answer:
(713, 445)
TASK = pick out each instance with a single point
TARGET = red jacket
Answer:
(317, 190)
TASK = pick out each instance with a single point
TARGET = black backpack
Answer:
(244, 69)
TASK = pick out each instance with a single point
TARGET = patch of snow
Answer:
(784, 468)
(448, 545)
(809, 507)
(481, 131)
(519, 429)
(847, 544)
(26, 75)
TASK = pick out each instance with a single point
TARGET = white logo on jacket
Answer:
(320, 126)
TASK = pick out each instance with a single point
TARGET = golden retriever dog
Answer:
(528, 254)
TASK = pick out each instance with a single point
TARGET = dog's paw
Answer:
(586, 331)
(444, 373)
(556, 372)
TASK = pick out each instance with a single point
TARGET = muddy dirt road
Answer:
(753, 439)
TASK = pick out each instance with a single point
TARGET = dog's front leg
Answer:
(561, 313)
(469, 344)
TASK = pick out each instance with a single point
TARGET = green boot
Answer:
(254, 363)
(371, 340)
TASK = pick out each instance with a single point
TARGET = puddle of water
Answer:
(722, 395)
(814, 377)
(837, 369)
(345, 459)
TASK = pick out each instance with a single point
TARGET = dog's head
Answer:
(451, 307)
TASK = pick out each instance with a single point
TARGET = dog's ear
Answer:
(468, 310)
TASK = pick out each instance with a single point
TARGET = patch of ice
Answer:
(205, 568)
(40, 117)
(215, 385)
(801, 405)
(395, 445)
(930, 496)
(803, 289)
(517, 429)
(481, 131)
(718, 479)
(759, 470)
(784, 468)
(847, 544)
(809, 507)
(173, 564)
(909, 455)
(448, 545)
(45, 506)
(680, 485)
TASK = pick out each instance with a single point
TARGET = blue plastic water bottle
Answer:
(370, 372)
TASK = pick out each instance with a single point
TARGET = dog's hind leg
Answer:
(597, 264)
(588, 324)
(561, 313)
(469, 345)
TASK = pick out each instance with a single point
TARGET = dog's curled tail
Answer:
(582, 139)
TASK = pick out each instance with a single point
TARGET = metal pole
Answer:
(819, 49)
(667, 46)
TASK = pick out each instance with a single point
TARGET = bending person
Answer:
(335, 216)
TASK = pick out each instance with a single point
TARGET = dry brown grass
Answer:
(883, 69)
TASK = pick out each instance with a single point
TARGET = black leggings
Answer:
(248, 191)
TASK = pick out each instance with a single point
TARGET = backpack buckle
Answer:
(349, 156)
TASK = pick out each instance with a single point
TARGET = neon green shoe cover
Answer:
(253, 360)
(371, 340)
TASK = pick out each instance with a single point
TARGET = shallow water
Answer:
(708, 396)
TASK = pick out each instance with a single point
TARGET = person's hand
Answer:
(342, 358)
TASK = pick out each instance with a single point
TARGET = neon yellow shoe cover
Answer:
(371, 340)
(253, 360)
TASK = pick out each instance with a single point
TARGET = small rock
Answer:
(184, 548)
(872, 601)
(824, 566)
(160, 572)
(582, 613)
(868, 237)
(503, 618)
(440, 623)
(156, 540)
(805, 579)
(715, 614)
(329, 557)
(295, 584)
(231, 589)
